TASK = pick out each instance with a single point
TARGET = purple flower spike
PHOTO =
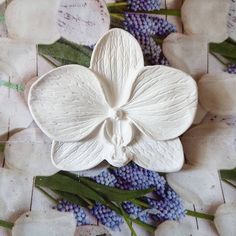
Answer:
(144, 5)
(231, 68)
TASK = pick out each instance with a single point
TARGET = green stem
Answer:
(2, 18)
(47, 195)
(2, 146)
(200, 215)
(219, 59)
(17, 87)
(128, 221)
(140, 203)
(228, 182)
(6, 224)
(121, 7)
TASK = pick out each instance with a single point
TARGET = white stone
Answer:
(83, 22)
(210, 146)
(33, 21)
(217, 93)
(187, 53)
(47, 223)
(206, 18)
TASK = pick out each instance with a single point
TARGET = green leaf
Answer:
(200, 215)
(67, 53)
(2, 147)
(66, 184)
(18, 87)
(228, 182)
(114, 194)
(72, 198)
(6, 224)
(226, 49)
(228, 174)
(128, 221)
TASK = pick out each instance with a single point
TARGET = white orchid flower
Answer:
(225, 219)
(206, 18)
(44, 22)
(170, 228)
(48, 223)
(117, 110)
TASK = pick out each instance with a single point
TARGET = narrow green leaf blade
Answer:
(72, 198)
(66, 184)
(226, 49)
(115, 194)
(228, 174)
(6, 224)
(66, 53)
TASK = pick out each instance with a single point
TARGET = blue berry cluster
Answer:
(106, 216)
(144, 5)
(166, 206)
(145, 28)
(106, 178)
(79, 213)
(135, 211)
(231, 68)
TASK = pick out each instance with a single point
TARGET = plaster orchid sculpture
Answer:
(117, 110)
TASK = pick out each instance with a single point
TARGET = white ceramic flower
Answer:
(117, 110)
(44, 22)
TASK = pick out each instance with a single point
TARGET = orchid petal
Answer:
(46, 223)
(163, 102)
(33, 21)
(15, 193)
(211, 146)
(225, 219)
(217, 93)
(187, 53)
(161, 156)
(117, 58)
(196, 186)
(204, 21)
(68, 103)
(29, 151)
(83, 155)
(170, 228)
(77, 24)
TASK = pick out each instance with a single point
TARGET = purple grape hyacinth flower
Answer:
(144, 5)
(79, 213)
(231, 69)
(106, 216)
(145, 28)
